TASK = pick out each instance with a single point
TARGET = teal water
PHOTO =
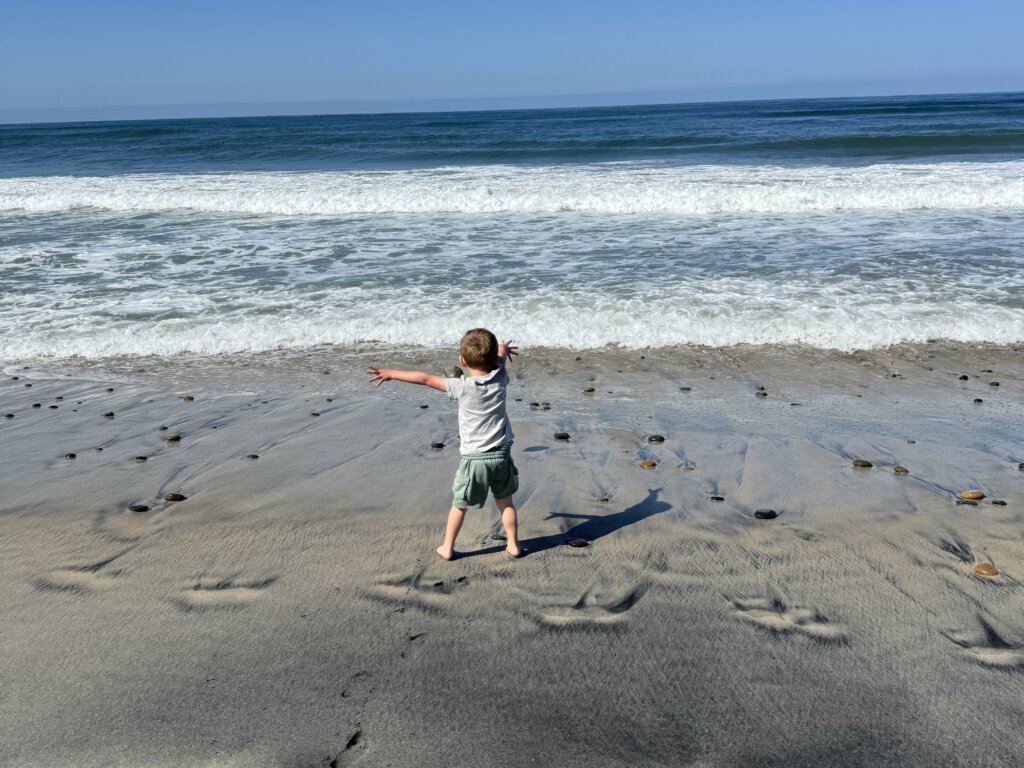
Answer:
(846, 223)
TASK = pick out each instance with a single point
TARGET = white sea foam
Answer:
(616, 188)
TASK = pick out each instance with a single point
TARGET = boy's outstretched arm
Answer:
(380, 375)
(506, 351)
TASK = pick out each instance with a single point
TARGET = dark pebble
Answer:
(499, 537)
(15, 378)
(174, 497)
(862, 464)
(760, 389)
(911, 442)
(794, 403)
(588, 390)
(761, 394)
(110, 389)
(253, 456)
(141, 459)
(993, 383)
(326, 373)
(534, 406)
(519, 399)
(1020, 467)
(99, 450)
(37, 405)
(765, 514)
(424, 406)
(70, 456)
(561, 435)
(545, 406)
(10, 415)
(437, 446)
(965, 503)
(986, 370)
(53, 407)
(28, 385)
(656, 439)
(330, 399)
(998, 503)
(162, 428)
(138, 508)
(314, 413)
(718, 498)
(59, 397)
(188, 398)
(174, 439)
(685, 389)
(577, 542)
(108, 415)
(978, 400)
(965, 377)
(603, 499)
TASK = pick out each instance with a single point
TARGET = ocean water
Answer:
(837, 223)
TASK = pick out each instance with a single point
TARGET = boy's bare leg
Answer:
(451, 532)
(511, 523)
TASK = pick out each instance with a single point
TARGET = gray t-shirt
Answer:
(483, 423)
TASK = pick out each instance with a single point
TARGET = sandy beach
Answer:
(290, 610)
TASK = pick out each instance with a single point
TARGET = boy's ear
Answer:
(462, 362)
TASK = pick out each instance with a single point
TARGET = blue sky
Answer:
(78, 58)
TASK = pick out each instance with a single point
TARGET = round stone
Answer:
(1020, 467)
(901, 470)
(108, 415)
(986, 370)
(965, 377)
(761, 394)
(422, 407)
(534, 406)
(986, 569)
(972, 495)
(53, 407)
(499, 537)
(545, 406)
(603, 499)
(437, 446)
(329, 400)
(993, 383)
(70, 455)
(174, 439)
(138, 508)
(718, 498)
(162, 428)
(862, 464)
(253, 456)
(10, 416)
(110, 389)
(911, 442)
(685, 389)
(314, 413)
(29, 386)
(174, 497)
(588, 390)
(998, 503)
(37, 405)
(15, 378)
(656, 439)
(141, 459)
(563, 436)
(188, 398)
(964, 503)
(760, 389)
(978, 400)
(648, 464)
(59, 397)
(765, 514)
(577, 543)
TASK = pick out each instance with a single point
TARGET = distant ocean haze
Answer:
(848, 224)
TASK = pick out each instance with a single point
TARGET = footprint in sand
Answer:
(776, 617)
(988, 647)
(419, 590)
(80, 579)
(227, 594)
(588, 610)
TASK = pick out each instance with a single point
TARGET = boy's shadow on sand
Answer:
(591, 529)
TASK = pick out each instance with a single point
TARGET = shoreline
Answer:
(290, 610)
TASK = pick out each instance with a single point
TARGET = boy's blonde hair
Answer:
(479, 348)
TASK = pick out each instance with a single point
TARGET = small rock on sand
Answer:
(577, 542)
(253, 456)
(37, 405)
(174, 439)
(998, 503)
(862, 464)
(437, 446)
(9, 416)
(765, 514)
(901, 470)
(978, 400)
(563, 436)
(138, 508)
(188, 398)
(718, 498)
(965, 377)
(656, 439)
(993, 383)
(141, 459)
(314, 413)
(174, 497)
(986, 569)
(972, 495)
(70, 455)
(588, 390)
(108, 415)
(648, 464)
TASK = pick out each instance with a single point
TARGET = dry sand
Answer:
(291, 611)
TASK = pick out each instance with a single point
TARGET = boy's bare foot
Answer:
(514, 551)
(445, 554)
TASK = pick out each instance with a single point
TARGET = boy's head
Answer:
(479, 349)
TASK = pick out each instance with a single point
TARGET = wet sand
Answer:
(290, 611)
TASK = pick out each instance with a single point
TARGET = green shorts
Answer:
(479, 473)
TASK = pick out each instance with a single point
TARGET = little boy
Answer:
(485, 431)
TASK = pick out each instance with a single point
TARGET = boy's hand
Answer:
(508, 349)
(380, 375)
